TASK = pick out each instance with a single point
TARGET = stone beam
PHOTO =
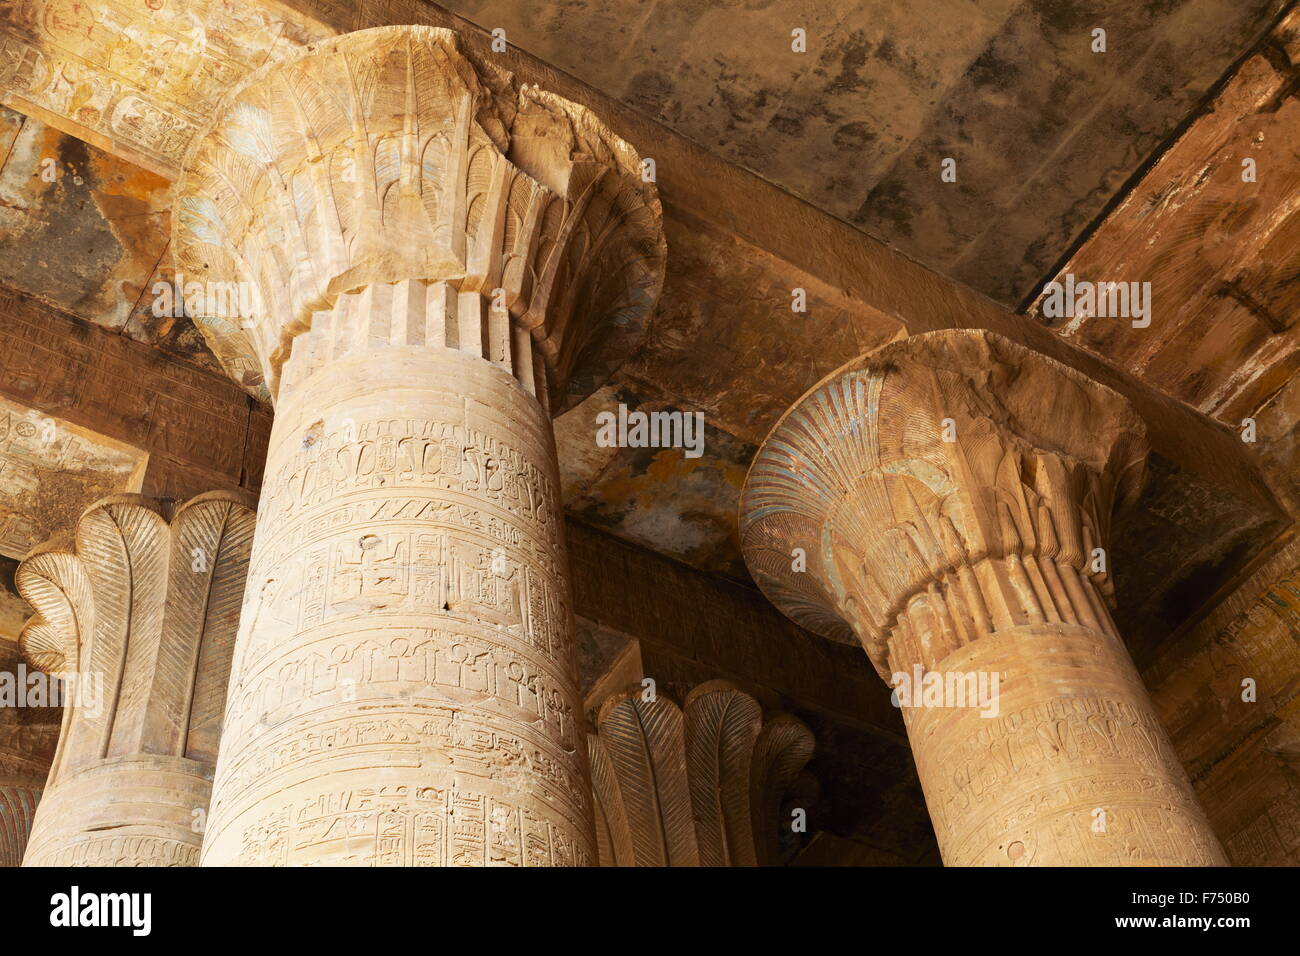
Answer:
(52, 470)
(199, 431)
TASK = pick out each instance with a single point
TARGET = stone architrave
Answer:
(442, 261)
(946, 501)
(138, 620)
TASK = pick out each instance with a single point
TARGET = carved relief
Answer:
(51, 469)
(141, 618)
(992, 529)
(142, 75)
(699, 785)
(407, 630)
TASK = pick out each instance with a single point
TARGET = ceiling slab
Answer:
(1214, 226)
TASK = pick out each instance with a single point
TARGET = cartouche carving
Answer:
(442, 262)
(699, 785)
(139, 619)
(950, 495)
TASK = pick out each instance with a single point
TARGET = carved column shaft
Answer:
(951, 494)
(443, 261)
(404, 693)
(138, 621)
(17, 808)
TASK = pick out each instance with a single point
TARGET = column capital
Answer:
(139, 618)
(480, 215)
(146, 596)
(955, 469)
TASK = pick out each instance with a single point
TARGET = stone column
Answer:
(139, 621)
(443, 261)
(945, 501)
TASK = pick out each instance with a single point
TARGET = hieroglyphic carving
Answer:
(946, 501)
(140, 619)
(453, 259)
(406, 631)
(698, 785)
(398, 453)
(398, 826)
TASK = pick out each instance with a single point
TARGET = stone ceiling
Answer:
(1044, 130)
(1066, 160)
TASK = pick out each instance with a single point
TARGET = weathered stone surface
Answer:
(28, 738)
(1217, 241)
(50, 470)
(142, 77)
(199, 430)
(726, 341)
(1227, 689)
(1043, 129)
(138, 620)
(83, 248)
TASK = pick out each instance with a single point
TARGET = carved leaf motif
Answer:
(722, 725)
(784, 747)
(150, 608)
(613, 838)
(55, 584)
(644, 741)
(699, 789)
(317, 179)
